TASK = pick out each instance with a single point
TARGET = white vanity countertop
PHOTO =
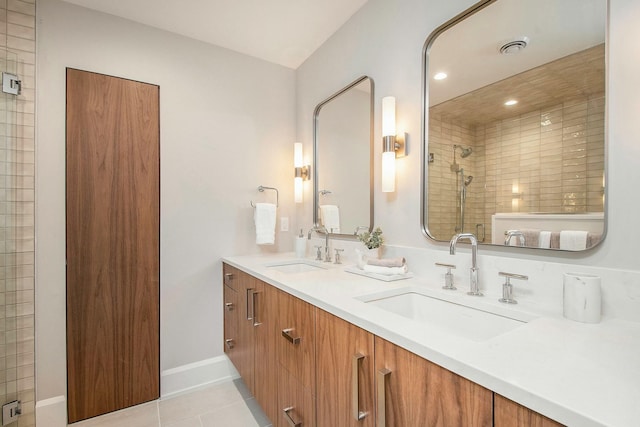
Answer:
(577, 374)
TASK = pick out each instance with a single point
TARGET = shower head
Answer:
(468, 180)
(466, 152)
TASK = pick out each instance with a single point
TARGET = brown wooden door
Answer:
(113, 255)
(420, 393)
(343, 350)
(265, 302)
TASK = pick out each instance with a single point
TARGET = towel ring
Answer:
(262, 188)
(324, 192)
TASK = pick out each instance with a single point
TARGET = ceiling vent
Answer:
(514, 46)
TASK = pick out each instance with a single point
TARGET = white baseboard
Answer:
(195, 375)
(52, 412)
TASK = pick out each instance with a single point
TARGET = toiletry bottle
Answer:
(301, 246)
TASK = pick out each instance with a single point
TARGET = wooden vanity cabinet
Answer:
(411, 391)
(296, 350)
(344, 389)
(249, 322)
(508, 413)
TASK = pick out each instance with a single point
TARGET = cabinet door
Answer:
(244, 346)
(344, 390)
(265, 300)
(296, 338)
(230, 322)
(412, 391)
(296, 405)
(510, 414)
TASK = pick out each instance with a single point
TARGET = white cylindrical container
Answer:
(582, 297)
(300, 247)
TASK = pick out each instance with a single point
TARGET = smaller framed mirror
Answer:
(343, 160)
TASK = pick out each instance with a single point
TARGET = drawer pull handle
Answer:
(250, 304)
(254, 303)
(228, 306)
(289, 418)
(381, 416)
(355, 389)
(229, 343)
(228, 277)
(287, 334)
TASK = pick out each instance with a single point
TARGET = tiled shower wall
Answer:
(17, 165)
(549, 160)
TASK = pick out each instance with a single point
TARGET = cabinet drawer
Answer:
(296, 338)
(230, 276)
(231, 313)
(296, 405)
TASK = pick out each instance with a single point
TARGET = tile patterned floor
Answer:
(222, 405)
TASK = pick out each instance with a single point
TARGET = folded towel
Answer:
(573, 240)
(330, 217)
(555, 240)
(531, 237)
(387, 271)
(593, 239)
(387, 262)
(264, 216)
(544, 239)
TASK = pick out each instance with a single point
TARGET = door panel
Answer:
(113, 255)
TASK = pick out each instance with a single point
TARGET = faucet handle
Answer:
(507, 287)
(337, 257)
(448, 277)
(318, 253)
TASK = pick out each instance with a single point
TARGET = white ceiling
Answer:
(284, 32)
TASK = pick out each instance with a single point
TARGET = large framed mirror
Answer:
(343, 160)
(514, 125)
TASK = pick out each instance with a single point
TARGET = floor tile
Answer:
(235, 415)
(187, 422)
(198, 402)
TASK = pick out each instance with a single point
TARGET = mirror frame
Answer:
(424, 133)
(316, 189)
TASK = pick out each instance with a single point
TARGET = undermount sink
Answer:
(451, 317)
(295, 266)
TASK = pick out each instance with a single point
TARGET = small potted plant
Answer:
(373, 242)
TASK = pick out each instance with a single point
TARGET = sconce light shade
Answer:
(392, 146)
(388, 171)
(301, 172)
(388, 116)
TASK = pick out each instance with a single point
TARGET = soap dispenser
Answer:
(301, 246)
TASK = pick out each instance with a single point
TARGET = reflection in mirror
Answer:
(516, 130)
(343, 138)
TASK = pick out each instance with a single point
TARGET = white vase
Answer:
(364, 253)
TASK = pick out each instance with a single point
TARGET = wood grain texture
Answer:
(292, 394)
(298, 359)
(266, 362)
(113, 219)
(420, 393)
(231, 314)
(337, 342)
(511, 414)
(245, 346)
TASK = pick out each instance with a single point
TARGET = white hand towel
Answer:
(387, 262)
(264, 216)
(387, 271)
(330, 216)
(573, 240)
(544, 240)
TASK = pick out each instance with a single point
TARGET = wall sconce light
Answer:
(302, 172)
(393, 146)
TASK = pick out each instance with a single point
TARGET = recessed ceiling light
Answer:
(511, 102)
(440, 76)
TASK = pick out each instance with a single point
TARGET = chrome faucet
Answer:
(514, 233)
(322, 229)
(473, 276)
